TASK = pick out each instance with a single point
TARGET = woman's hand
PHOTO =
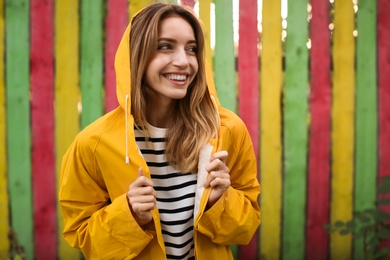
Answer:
(218, 178)
(142, 198)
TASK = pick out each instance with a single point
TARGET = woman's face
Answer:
(174, 66)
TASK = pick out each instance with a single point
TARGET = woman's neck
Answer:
(160, 116)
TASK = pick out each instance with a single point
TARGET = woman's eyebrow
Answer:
(174, 40)
(166, 39)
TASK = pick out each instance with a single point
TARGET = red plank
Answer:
(248, 69)
(248, 99)
(43, 163)
(384, 92)
(317, 240)
(190, 3)
(116, 22)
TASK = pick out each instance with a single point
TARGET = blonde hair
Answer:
(195, 120)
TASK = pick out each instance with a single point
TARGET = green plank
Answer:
(224, 57)
(91, 64)
(366, 112)
(295, 131)
(4, 197)
(18, 121)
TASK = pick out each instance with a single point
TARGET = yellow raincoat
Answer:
(95, 178)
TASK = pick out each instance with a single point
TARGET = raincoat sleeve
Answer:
(235, 217)
(101, 228)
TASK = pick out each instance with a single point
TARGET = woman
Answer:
(169, 174)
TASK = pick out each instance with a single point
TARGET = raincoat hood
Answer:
(122, 69)
(123, 86)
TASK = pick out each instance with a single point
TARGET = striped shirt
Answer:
(175, 195)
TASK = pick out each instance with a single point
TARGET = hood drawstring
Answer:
(127, 159)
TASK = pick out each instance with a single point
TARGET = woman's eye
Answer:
(164, 47)
(192, 49)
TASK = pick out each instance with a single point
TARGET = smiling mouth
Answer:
(176, 77)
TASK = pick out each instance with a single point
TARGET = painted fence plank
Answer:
(248, 89)
(366, 114)
(204, 15)
(224, 59)
(4, 212)
(295, 131)
(384, 92)
(270, 129)
(190, 3)
(135, 6)
(18, 122)
(342, 126)
(115, 25)
(67, 96)
(318, 179)
(42, 114)
(91, 63)
(224, 56)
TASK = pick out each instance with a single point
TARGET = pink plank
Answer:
(116, 22)
(248, 74)
(384, 92)
(190, 3)
(248, 69)
(43, 163)
(317, 240)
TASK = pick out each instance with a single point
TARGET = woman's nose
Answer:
(180, 58)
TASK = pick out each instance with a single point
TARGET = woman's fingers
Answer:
(218, 178)
(143, 207)
(142, 198)
(217, 169)
(218, 162)
(221, 155)
(221, 182)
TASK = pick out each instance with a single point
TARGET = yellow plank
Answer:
(67, 95)
(270, 117)
(342, 126)
(204, 15)
(135, 6)
(4, 213)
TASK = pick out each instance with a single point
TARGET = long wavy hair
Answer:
(195, 120)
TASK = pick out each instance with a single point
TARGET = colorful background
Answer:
(312, 85)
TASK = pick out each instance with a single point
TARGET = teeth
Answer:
(177, 77)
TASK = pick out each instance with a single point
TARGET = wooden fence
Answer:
(315, 95)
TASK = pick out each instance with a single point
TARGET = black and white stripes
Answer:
(175, 195)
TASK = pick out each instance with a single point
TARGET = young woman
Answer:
(169, 174)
